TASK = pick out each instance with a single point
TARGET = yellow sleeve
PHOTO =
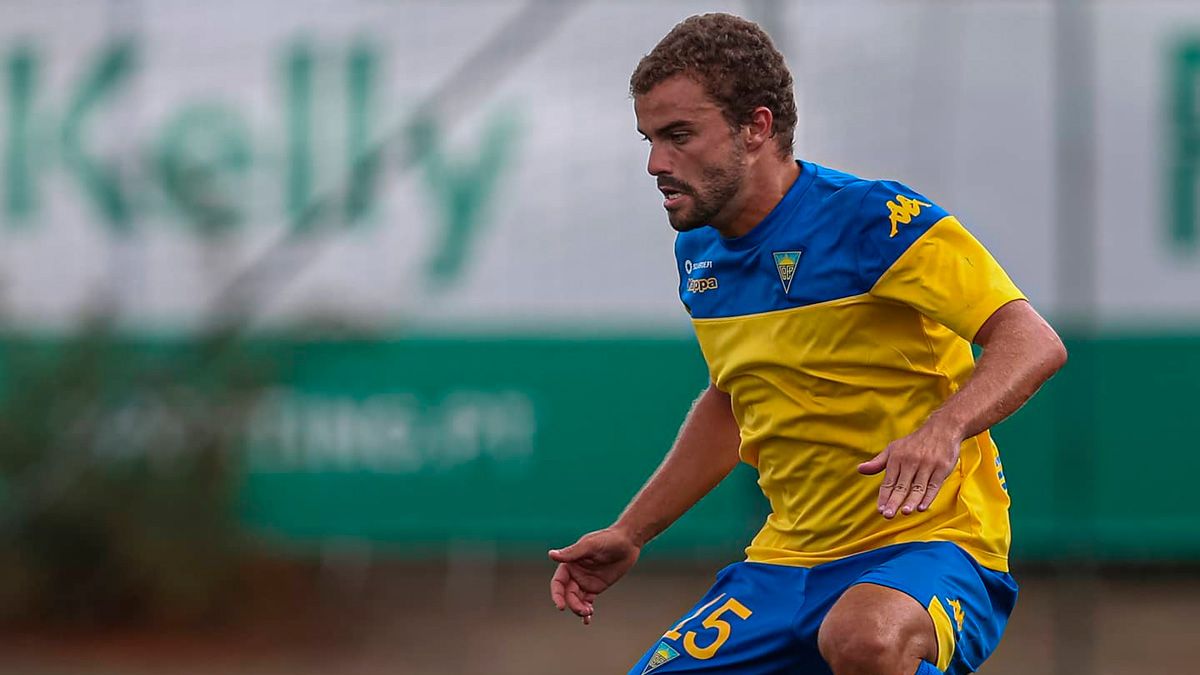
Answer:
(947, 275)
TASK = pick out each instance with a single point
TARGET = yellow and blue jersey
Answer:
(838, 325)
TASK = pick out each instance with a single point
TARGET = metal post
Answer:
(1076, 281)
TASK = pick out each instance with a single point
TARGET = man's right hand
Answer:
(590, 566)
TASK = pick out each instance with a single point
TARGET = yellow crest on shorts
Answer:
(662, 653)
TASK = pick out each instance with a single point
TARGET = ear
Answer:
(758, 130)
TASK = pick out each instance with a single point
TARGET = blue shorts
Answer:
(761, 618)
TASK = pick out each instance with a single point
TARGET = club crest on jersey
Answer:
(785, 264)
(662, 653)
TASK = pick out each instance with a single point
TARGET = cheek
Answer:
(694, 162)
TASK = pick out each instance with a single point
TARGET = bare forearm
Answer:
(1020, 352)
(703, 454)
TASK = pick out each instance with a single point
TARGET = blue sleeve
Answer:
(890, 218)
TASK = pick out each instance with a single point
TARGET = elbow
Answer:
(1056, 355)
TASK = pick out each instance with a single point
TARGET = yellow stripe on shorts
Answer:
(944, 627)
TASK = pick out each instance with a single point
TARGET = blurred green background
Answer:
(321, 322)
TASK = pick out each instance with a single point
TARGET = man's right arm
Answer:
(703, 454)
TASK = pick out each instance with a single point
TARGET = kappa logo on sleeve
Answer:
(902, 211)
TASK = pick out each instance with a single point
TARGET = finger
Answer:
(588, 599)
(575, 599)
(930, 494)
(916, 491)
(889, 483)
(587, 620)
(558, 587)
(875, 464)
(900, 490)
(571, 553)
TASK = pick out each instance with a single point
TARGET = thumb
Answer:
(569, 554)
(876, 463)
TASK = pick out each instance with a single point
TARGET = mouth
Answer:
(673, 199)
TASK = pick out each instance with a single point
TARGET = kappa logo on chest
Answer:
(700, 284)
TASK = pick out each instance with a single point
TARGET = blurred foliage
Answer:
(119, 470)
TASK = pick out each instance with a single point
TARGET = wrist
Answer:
(631, 533)
(945, 423)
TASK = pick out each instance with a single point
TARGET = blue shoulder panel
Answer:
(892, 217)
(809, 249)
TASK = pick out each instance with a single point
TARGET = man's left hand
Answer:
(916, 467)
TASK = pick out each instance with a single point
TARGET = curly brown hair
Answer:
(736, 63)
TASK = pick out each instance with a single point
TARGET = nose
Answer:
(657, 163)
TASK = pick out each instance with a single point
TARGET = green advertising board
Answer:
(601, 413)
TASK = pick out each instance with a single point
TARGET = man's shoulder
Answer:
(871, 207)
(834, 189)
(835, 179)
(843, 202)
(857, 198)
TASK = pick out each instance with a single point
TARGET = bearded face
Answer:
(690, 206)
(698, 160)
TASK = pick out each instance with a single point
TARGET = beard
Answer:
(719, 184)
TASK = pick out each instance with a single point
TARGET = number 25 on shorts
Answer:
(713, 620)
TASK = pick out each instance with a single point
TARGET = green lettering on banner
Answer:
(205, 149)
(20, 197)
(99, 180)
(1184, 145)
(301, 209)
(462, 189)
(364, 153)
(202, 153)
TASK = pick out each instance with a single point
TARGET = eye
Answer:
(680, 137)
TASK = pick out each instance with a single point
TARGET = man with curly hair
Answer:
(836, 316)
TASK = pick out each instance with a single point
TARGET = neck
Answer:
(766, 183)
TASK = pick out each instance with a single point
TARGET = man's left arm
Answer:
(1020, 352)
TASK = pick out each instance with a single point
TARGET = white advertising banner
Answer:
(474, 165)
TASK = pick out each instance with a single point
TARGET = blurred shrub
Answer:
(118, 477)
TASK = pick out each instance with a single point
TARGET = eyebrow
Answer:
(668, 128)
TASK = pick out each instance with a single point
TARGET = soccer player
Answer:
(836, 316)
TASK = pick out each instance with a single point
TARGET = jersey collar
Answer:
(782, 211)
